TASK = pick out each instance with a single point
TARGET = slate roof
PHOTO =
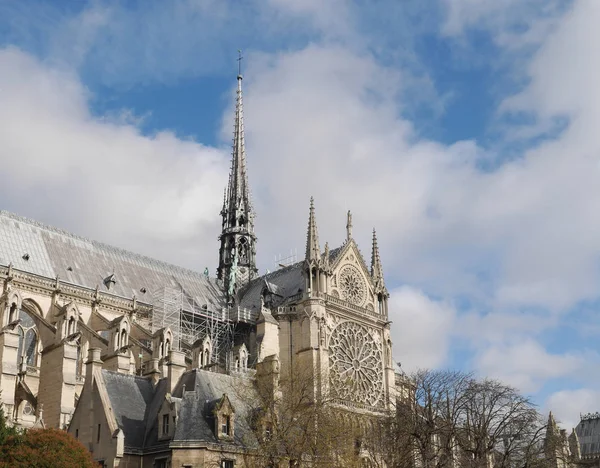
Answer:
(87, 263)
(136, 404)
(202, 390)
(129, 397)
(285, 282)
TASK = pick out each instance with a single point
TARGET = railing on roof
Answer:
(590, 416)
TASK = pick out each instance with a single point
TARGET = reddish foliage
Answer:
(45, 448)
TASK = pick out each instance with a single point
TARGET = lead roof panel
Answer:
(87, 263)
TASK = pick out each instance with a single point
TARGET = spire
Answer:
(376, 268)
(551, 426)
(349, 226)
(237, 265)
(313, 251)
(237, 195)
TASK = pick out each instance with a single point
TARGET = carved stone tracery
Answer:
(352, 285)
(355, 364)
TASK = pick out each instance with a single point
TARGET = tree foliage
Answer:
(44, 448)
(6, 431)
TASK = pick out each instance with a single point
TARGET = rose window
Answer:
(355, 364)
(352, 285)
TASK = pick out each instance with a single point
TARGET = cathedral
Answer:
(140, 359)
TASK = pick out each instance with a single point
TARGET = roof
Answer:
(284, 282)
(136, 405)
(129, 397)
(203, 389)
(588, 431)
(53, 252)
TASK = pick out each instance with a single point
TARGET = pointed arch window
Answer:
(28, 340)
(123, 337)
(81, 352)
(71, 326)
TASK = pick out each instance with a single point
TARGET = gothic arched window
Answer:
(71, 326)
(123, 337)
(28, 340)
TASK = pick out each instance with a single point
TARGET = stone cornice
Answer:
(82, 295)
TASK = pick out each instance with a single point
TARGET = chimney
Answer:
(176, 367)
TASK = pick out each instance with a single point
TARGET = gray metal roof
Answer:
(88, 263)
(588, 432)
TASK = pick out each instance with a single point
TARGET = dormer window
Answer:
(226, 425)
(165, 424)
(224, 417)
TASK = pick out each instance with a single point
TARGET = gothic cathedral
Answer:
(137, 358)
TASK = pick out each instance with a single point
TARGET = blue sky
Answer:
(465, 131)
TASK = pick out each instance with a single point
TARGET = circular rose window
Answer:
(355, 364)
(352, 285)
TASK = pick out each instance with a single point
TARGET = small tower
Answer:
(377, 275)
(237, 253)
(312, 259)
(556, 445)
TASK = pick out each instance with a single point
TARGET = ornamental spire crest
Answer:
(237, 195)
(313, 251)
(376, 267)
(237, 254)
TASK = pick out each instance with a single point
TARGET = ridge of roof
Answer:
(150, 261)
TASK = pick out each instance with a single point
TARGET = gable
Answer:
(351, 280)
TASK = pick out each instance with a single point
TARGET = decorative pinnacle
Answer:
(326, 256)
(349, 226)
(376, 268)
(313, 251)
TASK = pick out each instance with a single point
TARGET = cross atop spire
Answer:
(376, 268)
(313, 251)
(239, 60)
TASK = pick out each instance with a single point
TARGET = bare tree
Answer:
(454, 420)
(501, 427)
(423, 429)
(293, 422)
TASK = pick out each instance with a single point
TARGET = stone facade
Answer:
(140, 359)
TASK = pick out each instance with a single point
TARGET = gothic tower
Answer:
(237, 253)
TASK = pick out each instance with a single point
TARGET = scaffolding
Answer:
(166, 312)
(190, 321)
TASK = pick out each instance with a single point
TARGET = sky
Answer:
(464, 131)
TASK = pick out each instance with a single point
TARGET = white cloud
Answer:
(421, 330)
(567, 405)
(526, 364)
(326, 120)
(502, 19)
(158, 195)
